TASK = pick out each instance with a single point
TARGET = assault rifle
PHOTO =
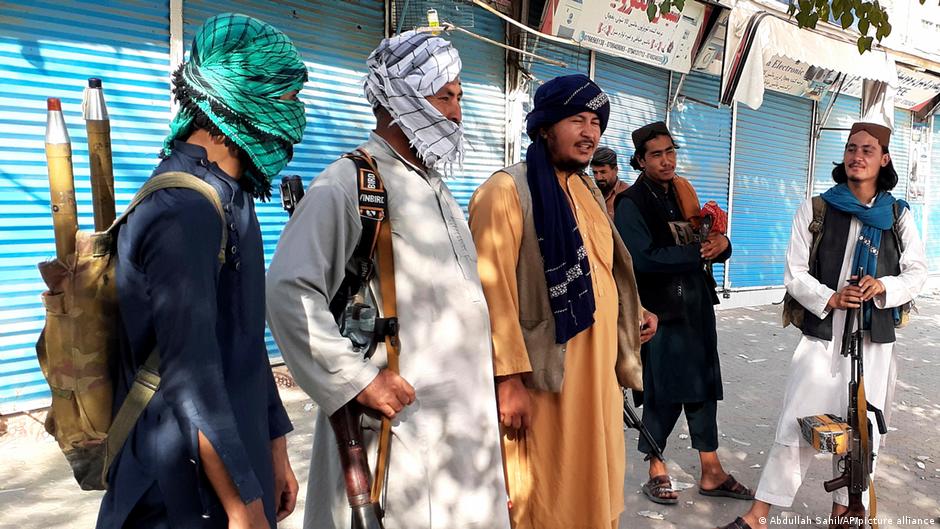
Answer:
(346, 422)
(858, 461)
(632, 421)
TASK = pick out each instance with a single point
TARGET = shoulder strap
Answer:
(145, 385)
(816, 228)
(181, 180)
(372, 207)
(147, 380)
(895, 227)
(377, 237)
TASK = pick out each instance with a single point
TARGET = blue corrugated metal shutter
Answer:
(901, 150)
(334, 39)
(831, 143)
(932, 237)
(638, 96)
(703, 132)
(49, 49)
(771, 163)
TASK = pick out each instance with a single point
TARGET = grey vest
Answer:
(828, 267)
(546, 357)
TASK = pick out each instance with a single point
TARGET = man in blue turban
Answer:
(566, 317)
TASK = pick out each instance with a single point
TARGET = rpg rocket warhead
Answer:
(56, 132)
(93, 105)
(61, 181)
(98, 126)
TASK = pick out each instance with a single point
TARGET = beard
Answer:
(569, 165)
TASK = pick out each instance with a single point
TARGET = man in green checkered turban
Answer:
(239, 70)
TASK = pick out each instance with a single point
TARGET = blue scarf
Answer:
(564, 257)
(874, 219)
(567, 270)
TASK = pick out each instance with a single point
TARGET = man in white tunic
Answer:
(858, 231)
(445, 469)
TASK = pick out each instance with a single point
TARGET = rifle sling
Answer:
(386, 266)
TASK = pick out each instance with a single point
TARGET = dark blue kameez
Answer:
(208, 321)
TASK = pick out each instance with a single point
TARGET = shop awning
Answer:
(765, 51)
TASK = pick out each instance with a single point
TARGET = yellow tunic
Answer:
(567, 470)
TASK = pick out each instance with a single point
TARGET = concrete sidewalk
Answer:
(37, 490)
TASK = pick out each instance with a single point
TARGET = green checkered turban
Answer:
(238, 69)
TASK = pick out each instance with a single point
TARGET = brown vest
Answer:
(535, 315)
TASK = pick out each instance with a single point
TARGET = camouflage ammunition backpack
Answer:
(80, 338)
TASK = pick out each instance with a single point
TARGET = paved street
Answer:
(37, 491)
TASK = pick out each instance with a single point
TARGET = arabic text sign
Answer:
(914, 88)
(622, 28)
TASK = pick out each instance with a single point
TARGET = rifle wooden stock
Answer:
(102, 171)
(355, 464)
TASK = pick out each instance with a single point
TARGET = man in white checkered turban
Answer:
(444, 467)
(415, 78)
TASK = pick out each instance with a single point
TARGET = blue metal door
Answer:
(702, 130)
(771, 164)
(830, 145)
(901, 150)
(638, 96)
(932, 237)
(50, 49)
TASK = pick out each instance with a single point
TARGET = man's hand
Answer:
(851, 296)
(714, 245)
(388, 394)
(249, 516)
(285, 483)
(648, 326)
(870, 287)
(514, 403)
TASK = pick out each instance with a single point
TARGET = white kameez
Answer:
(819, 374)
(446, 466)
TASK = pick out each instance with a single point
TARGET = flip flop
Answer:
(738, 523)
(656, 487)
(729, 489)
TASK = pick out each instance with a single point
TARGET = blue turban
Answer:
(564, 257)
(564, 97)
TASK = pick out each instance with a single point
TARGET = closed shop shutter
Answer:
(771, 163)
(638, 96)
(703, 132)
(831, 143)
(901, 150)
(50, 49)
(932, 237)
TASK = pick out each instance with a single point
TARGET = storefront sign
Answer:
(786, 75)
(915, 88)
(622, 28)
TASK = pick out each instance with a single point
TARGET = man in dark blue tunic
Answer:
(209, 450)
(680, 364)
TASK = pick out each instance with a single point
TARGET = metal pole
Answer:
(176, 45)
(811, 168)
(731, 169)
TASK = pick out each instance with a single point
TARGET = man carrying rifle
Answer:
(862, 227)
(444, 469)
(209, 450)
(659, 219)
